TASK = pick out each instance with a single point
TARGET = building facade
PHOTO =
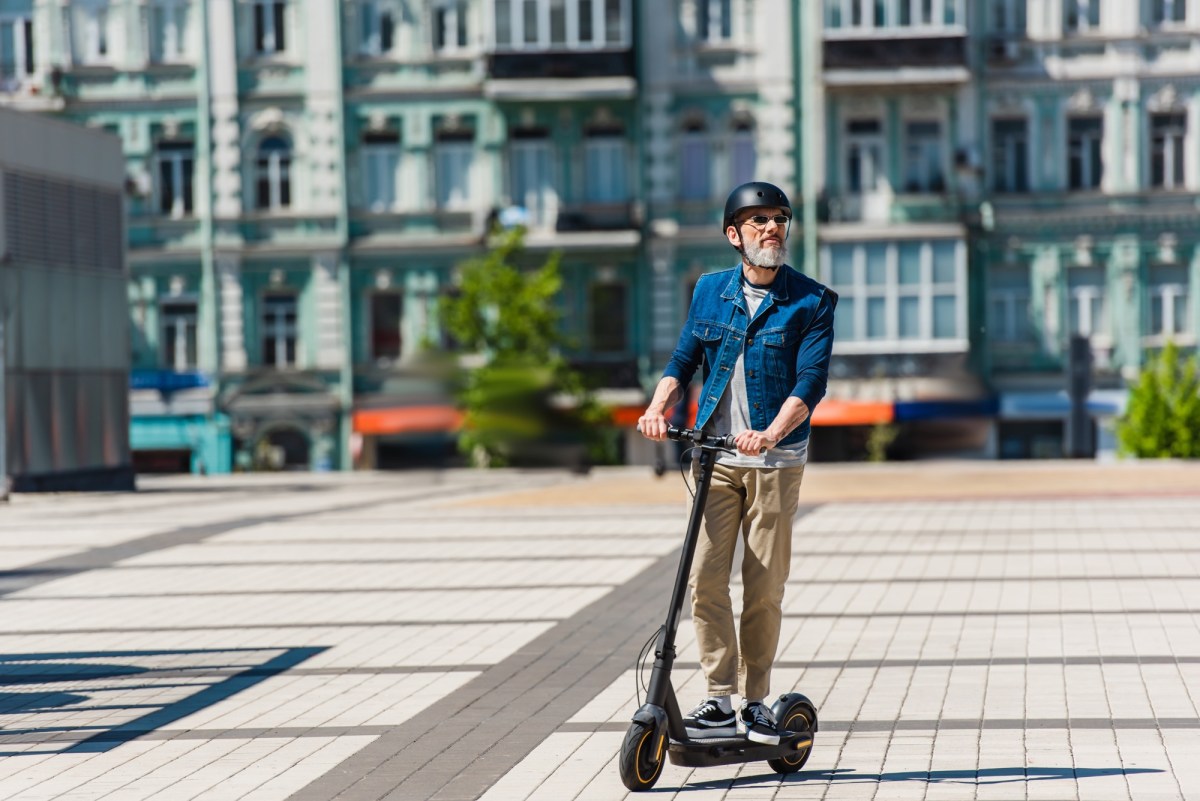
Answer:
(977, 180)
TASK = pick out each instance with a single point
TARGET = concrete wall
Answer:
(63, 300)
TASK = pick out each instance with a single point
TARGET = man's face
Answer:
(762, 234)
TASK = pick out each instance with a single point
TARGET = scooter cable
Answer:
(639, 682)
(686, 457)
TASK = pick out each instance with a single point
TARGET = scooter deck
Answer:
(709, 751)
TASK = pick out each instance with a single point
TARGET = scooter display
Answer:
(657, 729)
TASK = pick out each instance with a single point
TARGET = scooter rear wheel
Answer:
(642, 757)
(800, 716)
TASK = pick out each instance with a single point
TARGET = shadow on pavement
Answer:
(133, 693)
(968, 776)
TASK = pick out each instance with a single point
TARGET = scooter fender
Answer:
(651, 716)
(786, 700)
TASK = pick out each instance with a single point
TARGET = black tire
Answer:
(800, 716)
(642, 757)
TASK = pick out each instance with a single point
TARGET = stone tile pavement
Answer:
(967, 632)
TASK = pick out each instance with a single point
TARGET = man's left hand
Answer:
(753, 443)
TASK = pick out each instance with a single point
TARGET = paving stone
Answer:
(461, 635)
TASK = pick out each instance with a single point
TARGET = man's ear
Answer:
(733, 235)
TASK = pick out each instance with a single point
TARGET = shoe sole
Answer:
(715, 731)
(765, 739)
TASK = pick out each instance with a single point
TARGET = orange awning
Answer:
(852, 413)
(407, 420)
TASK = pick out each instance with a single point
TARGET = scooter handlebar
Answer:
(698, 437)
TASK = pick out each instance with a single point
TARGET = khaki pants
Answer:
(758, 504)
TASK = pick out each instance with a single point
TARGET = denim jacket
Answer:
(787, 344)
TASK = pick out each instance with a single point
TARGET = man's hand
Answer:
(653, 425)
(753, 443)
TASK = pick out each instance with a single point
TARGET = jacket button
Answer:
(750, 374)
(750, 341)
(756, 406)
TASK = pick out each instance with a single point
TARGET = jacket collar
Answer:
(779, 287)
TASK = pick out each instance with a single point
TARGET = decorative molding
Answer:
(1082, 100)
(1167, 98)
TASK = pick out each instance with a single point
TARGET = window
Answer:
(558, 24)
(944, 290)
(176, 165)
(714, 20)
(898, 295)
(1165, 12)
(1085, 162)
(270, 27)
(169, 27)
(1008, 16)
(274, 186)
(450, 26)
(1082, 15)
(279, 329)
(923, 157)
(893, 13)
(742, 154)
(378, 26)
(454, 154)
(1167, 135)
(90, 32)
(179, 334)
(1167, 294)
(605, 162)
(532, 175)
(1008, 305)
(386, 340)
(1010, 155)
(1085, 298)
(380, 165)
(694, 163)
(864, 156)
(609, 318)
(16, 51)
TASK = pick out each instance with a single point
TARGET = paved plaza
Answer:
(966, 630)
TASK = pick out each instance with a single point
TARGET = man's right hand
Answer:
(653, 425)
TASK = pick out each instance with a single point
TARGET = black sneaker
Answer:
(755, 721)
(709, 720)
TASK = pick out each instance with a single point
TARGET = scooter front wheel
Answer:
(642, 756)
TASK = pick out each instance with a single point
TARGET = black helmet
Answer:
(755, 193)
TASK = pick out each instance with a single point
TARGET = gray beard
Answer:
(769, 258)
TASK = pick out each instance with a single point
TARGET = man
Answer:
(764, 333)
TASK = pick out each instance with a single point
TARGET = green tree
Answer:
(523, 404)
(1163, 416)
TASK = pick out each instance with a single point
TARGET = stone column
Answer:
(233, 341)
(328, 311)
(226, 128)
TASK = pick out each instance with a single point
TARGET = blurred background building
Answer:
(978, 179)
(64, 325)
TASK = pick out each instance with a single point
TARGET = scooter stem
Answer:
(664, 660)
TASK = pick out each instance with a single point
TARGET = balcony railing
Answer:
(596, 217)
(543, 64)
(887, 208)
(890, 52)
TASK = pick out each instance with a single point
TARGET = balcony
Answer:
(596, 217)
(153, 234)
(427, 227)
(554, 75)
(886, 208)
(862, 58)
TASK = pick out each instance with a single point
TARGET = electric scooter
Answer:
(657, 728)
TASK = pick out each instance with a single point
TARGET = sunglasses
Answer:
(761, 220)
